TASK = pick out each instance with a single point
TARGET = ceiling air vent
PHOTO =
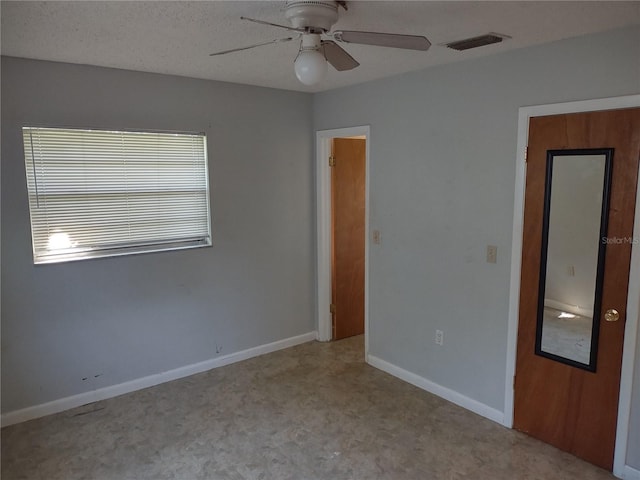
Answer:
(476, 42)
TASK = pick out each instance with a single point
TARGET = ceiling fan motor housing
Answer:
(316, 16)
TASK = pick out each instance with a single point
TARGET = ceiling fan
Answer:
(312, 20)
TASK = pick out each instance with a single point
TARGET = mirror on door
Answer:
(572, 258)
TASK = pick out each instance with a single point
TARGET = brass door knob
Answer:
(612, 315)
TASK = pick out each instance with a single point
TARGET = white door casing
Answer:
(323, 228)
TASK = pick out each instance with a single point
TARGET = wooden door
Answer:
(347, 236)
(568, 407)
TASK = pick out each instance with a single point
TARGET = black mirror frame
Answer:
(604, 221)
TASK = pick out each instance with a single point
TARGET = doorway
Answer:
(580, 192)
(577, 416)
(347, 164)
(325, 227)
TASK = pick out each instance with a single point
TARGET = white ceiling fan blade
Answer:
(278, 40)
(338, 57)
(262, 22)
(393, 40)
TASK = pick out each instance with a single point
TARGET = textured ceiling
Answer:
(177, 37)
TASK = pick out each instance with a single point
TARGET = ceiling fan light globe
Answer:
(310, 67)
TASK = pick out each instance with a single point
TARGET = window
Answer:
(98, 193)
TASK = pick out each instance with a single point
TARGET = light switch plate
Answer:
(492, 254)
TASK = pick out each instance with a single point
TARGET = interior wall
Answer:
(633, 445)
(442, 174)
(74, 327)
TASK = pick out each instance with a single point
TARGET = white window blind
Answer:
(95, 193)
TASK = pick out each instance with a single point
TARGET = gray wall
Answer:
(633, 447)
(443, 149)
(128, 317)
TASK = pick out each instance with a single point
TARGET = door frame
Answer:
(633, 302)
(323, 229)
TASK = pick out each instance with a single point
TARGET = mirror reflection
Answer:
(576, 196)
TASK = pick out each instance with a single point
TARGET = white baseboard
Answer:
(443, 392)
(66, 403)
(630, 473)
(565, 307)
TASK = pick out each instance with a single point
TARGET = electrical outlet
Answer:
(571, 271)
(376, 237)
(439, 337)
(492, 254)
